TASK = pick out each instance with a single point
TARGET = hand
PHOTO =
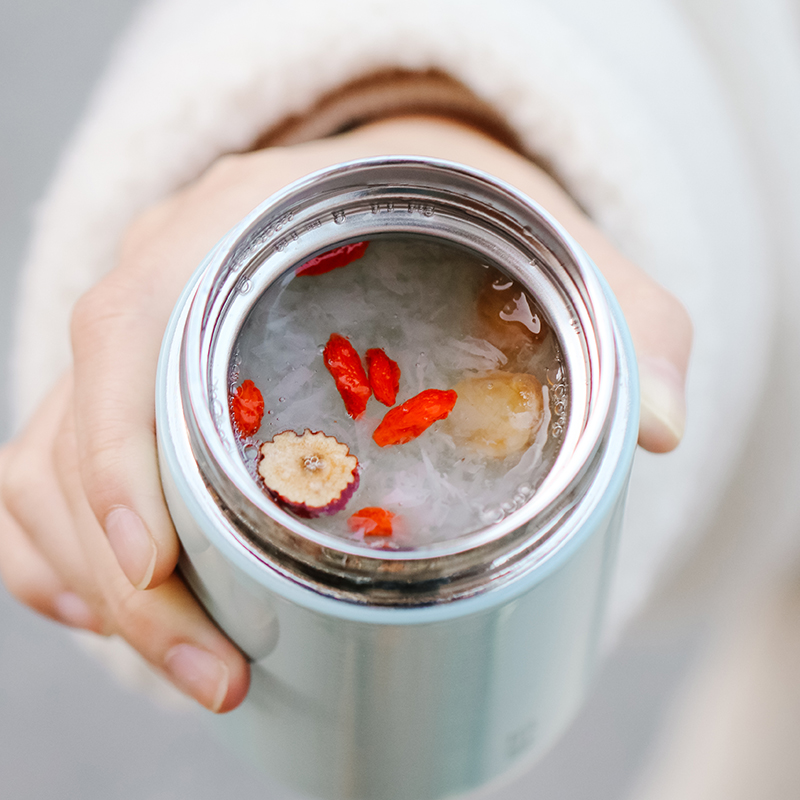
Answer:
(55, 558)
(85, 536)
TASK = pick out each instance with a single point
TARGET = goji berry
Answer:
(372, 521)
(384, 376)
(409, 420)
(345, 366)
(247, 408)
(333, 259)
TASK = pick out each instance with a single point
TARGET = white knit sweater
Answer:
(675, 124)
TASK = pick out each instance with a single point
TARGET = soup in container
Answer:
(397, 409)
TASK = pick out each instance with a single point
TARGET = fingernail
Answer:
(200, 674)
(663, 404)
(132, 545)
(73, 611)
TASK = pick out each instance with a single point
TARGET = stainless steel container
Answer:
(401, 675)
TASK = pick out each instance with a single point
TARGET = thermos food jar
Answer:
(424, 671)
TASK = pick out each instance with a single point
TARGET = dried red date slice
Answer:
(311, 475)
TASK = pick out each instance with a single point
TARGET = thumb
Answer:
(661, 330)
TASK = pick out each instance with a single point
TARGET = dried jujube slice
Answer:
(409, 420)
(344, 364)
(312, 474)
(247, 408)
(508, 317)
(497, 414)
(371, 521)
(384, 376)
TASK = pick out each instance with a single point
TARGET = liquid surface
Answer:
(450, 322)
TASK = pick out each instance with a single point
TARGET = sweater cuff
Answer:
(385, 94)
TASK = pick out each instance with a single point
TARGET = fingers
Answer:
(31, 580)
(165, 624)
(27, 573)
(32, 495)
(55, 558)
(117, 331)
(661, 330)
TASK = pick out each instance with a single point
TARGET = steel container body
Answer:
(402, 675)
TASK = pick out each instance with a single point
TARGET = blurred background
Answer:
(68, 729)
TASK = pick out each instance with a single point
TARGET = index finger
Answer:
(116, 341)
(117, 329)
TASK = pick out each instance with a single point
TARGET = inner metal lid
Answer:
(456, 205)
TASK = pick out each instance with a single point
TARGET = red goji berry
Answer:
(344, 364)
(372, 521)
(409, 420)
(247, 408)
(333, 259)
(384, 376)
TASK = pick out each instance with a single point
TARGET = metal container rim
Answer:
(565, 486)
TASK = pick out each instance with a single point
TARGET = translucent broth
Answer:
(415, 298)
